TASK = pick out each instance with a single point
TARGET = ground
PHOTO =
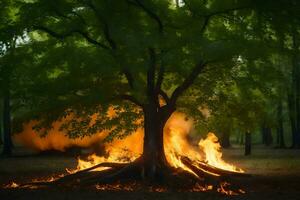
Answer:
(275, 175)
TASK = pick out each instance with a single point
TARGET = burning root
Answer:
(201, 177)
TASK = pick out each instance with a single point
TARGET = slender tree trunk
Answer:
(248, 143)
(294, 94)
(242, 139)
(1, 122)
(1, 126)
(280, 130)
(266, 132)
(297, 110)
(225, 139)
(292, 114)
(153, 150)
(7, 142)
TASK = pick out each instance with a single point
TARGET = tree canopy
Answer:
(82, 57)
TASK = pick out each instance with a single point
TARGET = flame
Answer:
(175, 141)
(176, 144)
(119, 151)
(213, 155)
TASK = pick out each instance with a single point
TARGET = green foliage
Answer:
(79, 57)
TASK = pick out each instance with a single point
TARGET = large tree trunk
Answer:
(154, 159)
(7, 142)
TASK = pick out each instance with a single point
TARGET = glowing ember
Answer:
(116, 187)
(11, 185)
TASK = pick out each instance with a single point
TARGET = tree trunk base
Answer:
(129, 176)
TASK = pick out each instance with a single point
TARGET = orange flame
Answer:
(213, 154)
(176, 145)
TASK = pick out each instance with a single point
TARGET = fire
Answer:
(119, 151)
(175, 141)
(213, 154)
(176, 145)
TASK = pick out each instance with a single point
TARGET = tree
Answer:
(7, 45)
(12, 55)
(144, 58)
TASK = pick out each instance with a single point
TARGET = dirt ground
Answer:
(275, 175)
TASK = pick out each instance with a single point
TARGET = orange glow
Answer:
(12, 185)
(55, 138)
(176, 145)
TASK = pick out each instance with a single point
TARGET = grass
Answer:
(266, 161)
(276, 175)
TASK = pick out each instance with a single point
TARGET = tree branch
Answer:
(106, 30)
(207, 17)
(130, 98)
(150, 13)
(62, 36)
(187, 82)
(129, 77)
(111, 41)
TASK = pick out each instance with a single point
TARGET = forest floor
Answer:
(275, 175)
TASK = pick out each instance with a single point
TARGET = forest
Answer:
(149, 95)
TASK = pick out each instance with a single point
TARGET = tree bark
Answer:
(154, 159)
(7, 141)
(248, 145)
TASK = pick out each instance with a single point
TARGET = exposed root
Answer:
(166, 177)
(203, 169)
(130, 171)
(85, 172)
